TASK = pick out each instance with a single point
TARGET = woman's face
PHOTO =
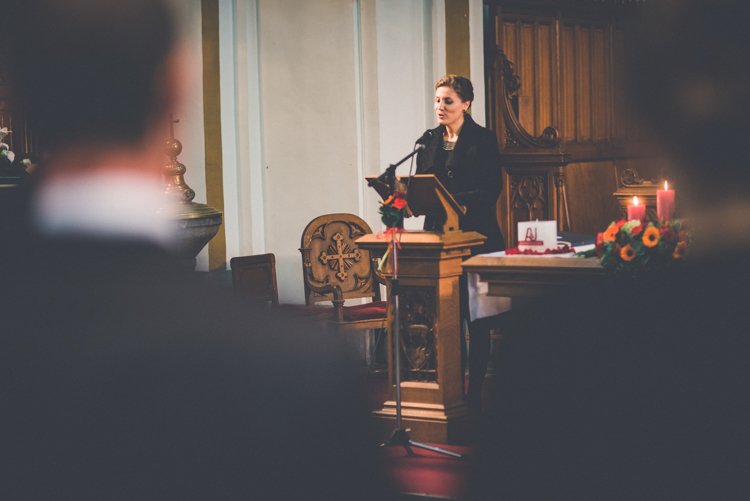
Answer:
(448, 106)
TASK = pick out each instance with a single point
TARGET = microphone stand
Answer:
(400, 436)
(389, 176)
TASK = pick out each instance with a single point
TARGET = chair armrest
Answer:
(379, 277)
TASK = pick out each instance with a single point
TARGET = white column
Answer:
(244, 207)
(476, 59)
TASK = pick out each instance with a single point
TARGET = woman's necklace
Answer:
(447, 136)
(449, 146)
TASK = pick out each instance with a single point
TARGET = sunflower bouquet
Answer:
(628, 248)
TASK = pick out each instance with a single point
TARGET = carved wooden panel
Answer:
(569, 77)
(331, 256)
(417, 314)
(529, 197)
(531, 43)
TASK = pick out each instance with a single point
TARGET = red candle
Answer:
(636, 211)
(665, 203)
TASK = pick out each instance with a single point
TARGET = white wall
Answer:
(315, 96)
(309, 123)
(408, 62)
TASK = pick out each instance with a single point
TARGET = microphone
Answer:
(422, 141)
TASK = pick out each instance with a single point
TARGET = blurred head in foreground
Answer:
(95, 72)
(98, 80)
(122, 378)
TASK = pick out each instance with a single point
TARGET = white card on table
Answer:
(537, 235)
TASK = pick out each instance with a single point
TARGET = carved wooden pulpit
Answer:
(429, 267)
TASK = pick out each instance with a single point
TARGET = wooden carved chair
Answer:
(254, 279)
(336, 269)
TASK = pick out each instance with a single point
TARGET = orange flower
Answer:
(650, 236)
(681, 251)
(610, 234)
(627, 253)
(386, 202)
(399, 201)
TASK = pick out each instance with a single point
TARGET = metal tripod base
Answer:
(401, 437)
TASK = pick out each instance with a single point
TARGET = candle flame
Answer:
(635, 200)
(665, 185)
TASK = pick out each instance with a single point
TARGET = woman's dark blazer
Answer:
(476, 183)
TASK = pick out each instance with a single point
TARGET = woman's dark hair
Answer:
(460, 85)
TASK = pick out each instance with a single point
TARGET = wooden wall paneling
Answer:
(510, 45)
(528, 198)
(583, 80)
(569, 123)
(610, 75)
(537, 62)
(569, 61)
(493, 39)
(590, 188)
(498, 26)
(556, 76)
(544, 79)
(599, 86)
(527, 95)
(618, 74)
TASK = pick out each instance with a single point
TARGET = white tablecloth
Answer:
(481, 305)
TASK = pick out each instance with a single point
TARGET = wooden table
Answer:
(531, 276)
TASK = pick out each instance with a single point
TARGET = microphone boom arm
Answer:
(389, 176)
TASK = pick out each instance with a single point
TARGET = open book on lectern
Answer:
(425, 196)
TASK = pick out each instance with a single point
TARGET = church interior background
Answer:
(293, 103)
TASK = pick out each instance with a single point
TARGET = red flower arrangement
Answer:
(627, 248)
(392, 210)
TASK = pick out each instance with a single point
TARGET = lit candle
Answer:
(665, 203)
(636, 211)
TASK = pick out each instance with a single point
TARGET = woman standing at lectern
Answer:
(465, 158)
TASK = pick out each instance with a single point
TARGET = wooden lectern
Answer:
(429, 267)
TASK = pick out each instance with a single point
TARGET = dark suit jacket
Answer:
(126, 378)
(476, 183)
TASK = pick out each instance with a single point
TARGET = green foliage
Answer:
(391, 216)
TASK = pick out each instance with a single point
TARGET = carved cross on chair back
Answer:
(336, 269)
(340, 256)
(330, 256)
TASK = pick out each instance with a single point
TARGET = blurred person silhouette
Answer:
(121, 377)
(638, 389)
